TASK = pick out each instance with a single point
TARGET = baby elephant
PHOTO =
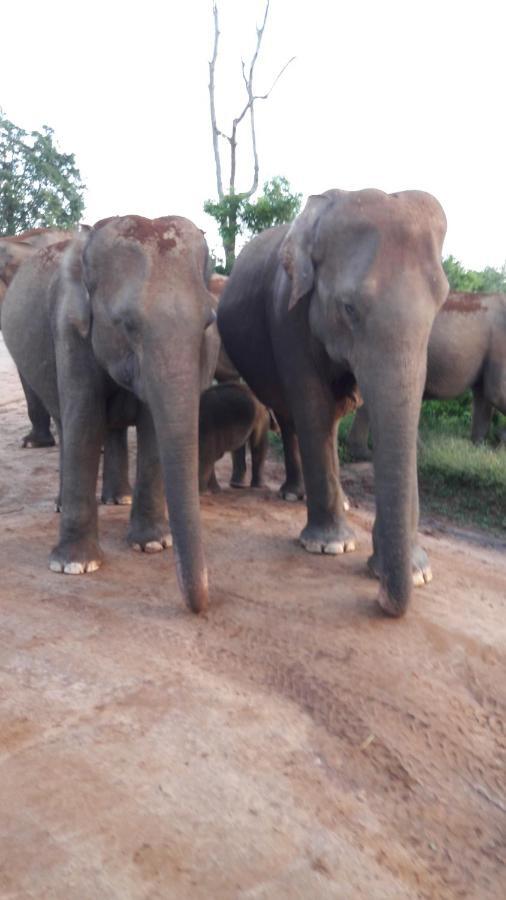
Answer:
(229, 416)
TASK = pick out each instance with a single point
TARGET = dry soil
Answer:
(292, 744)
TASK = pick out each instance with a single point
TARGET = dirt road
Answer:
(293, 744)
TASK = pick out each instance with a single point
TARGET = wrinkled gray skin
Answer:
(230, 415)
(120, 337)
(347, 294)
(467, 350)
(13, 252)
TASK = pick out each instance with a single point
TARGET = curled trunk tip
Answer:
(394, 609)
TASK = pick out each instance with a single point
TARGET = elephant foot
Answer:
(149, 537)
(292, 492)
(76, 557)
(422, 573)
(257, 483)
(359, 454)
(121, 499)
(37, 439)
(213, 485)
(332, 540)
(116, 493)
(238, 485)
(211, 488)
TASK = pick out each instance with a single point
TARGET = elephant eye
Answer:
(351, 312)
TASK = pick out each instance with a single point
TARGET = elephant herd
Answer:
(125, 324)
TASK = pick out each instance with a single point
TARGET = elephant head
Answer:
(138, 286)
(370, 265)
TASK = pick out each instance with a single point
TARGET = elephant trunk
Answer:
(394, 405)
(174, 403)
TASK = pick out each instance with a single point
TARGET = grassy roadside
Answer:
(459, 481)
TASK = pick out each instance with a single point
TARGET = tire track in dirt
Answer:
(400, 746)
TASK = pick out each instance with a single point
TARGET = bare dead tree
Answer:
(225, 211)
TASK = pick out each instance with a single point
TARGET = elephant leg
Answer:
(482, 417)
(149, 527)
(316, 423)
(58, 499)
(40, 435)
(213, 485)
(292, 488)
(115, 483)
(83, 427)
(259, 445)
(357, 442)
(207, 475)
(238, 479)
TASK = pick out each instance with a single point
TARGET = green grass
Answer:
(459, 481)
(463, 482)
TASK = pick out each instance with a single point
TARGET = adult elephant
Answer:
(467, 351)
(15, 250)
(346, 295)
(117, 336)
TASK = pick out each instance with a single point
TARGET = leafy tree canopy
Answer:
(488, 281)
(237, 214)
(39, 186)
(275, 206)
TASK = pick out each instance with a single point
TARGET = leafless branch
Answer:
(216, 132)
(248, 107)
(248, 73)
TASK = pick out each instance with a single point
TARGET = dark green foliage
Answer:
(275, 206)
(236, 215)
(488, 281)
(39, 186)
(227, 214)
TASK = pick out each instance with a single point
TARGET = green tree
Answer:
(488, 280)
(275, 206)
(236, 214)
(39, 186)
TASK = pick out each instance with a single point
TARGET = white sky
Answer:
(391, 94)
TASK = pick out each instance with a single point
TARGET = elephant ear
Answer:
(76, 305)
(296, 250)
(12, 254)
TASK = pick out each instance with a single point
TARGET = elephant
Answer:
(226, 372)
(230, 415)
(338, 303)
(14, 251)
(467, 350)
(118, 335)
(116, 487)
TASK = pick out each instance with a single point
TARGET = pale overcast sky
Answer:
(391, 94)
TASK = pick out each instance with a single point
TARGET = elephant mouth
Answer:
(347, 394)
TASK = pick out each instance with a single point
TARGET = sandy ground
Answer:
(293, 744)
